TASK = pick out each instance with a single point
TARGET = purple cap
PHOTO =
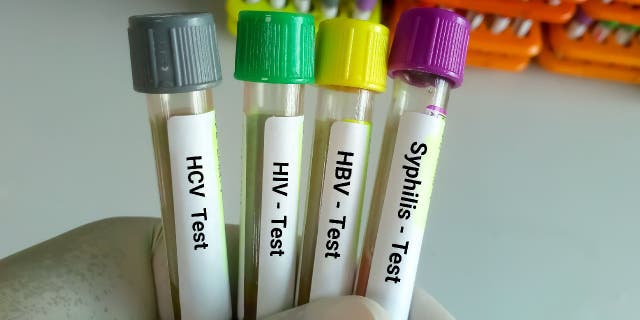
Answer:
(582, 17)
(432, 41)
(367, 5)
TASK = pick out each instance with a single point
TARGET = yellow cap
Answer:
(352, 53)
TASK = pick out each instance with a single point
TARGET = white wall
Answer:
(535, 209)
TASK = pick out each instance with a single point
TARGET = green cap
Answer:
(608, 24)
(630, 27)
(275, 47)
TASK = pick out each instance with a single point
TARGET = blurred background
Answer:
(535, 207)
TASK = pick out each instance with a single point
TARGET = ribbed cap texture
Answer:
(432, 41)
(352, 53)
(173, 53)
(275, 47)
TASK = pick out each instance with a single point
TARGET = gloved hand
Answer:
(116, 269)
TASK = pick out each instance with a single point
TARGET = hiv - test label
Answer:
(279, 212)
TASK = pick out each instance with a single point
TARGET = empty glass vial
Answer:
(426, 60)
(350, 68)
(274, 58)
(174, 60)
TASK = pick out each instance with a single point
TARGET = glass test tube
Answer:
(275, 58)
(423, 73)
(625, 33)
(181, 115)
(579, 24)
(302, 5)
(278, 4)
(499, 24)
(475, 19)
(350, 68)
(362, 9)
(603, 29)
(522, 26)
(330, 8)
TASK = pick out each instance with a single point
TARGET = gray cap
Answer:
(175, 52)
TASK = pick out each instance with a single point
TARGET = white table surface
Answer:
(536, 206)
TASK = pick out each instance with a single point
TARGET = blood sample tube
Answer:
(603, 29)
(427, 59)
(499, 24)
(475, 19)
(350, 68)
(275, 59)
(579, 24)
(522, 26)
(174, 60)
(625, 33)
(363, 8)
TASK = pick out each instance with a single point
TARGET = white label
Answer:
(197, 202)
(279, 214)
(404, 212)
(340, 205)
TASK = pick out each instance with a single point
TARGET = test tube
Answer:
(330, 8)
(579, 24)
(522, 26)
(363, 9)
(603, 29)
(625, 33)
(274, 58)
(426, 60)
(350, 68)
(475, 19)
(302, 5)
(174, 60)
(278, 4)
(499, 24)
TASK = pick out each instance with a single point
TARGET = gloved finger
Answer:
(161, 271)
(338, 308)
(161, 276)
(101, 270)
(425, 307)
